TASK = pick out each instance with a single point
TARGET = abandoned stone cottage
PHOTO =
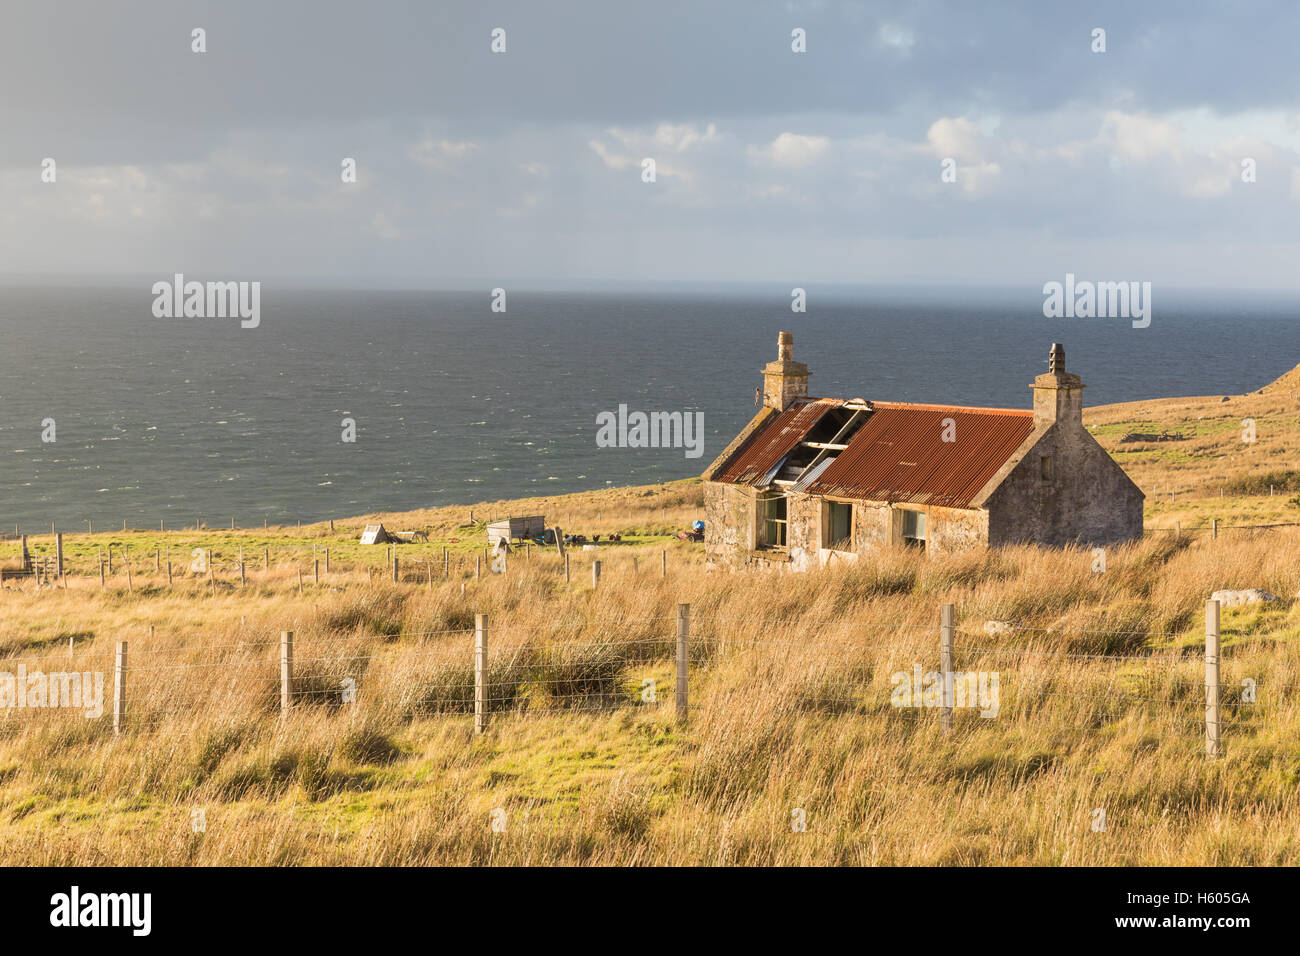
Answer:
(813, 480)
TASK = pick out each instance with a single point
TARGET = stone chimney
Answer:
(785, 379)
(1058, 395)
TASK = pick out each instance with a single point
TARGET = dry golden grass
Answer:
(1101, 702)
(790, 708)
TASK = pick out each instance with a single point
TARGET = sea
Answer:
(188, 420)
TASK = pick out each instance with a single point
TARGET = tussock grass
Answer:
(1101, 700)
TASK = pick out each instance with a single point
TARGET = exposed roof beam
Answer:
(833, 443)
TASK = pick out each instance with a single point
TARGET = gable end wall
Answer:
(1089, 499)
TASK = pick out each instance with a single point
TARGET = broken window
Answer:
(837, 531)
(914, 529)
(771, 521)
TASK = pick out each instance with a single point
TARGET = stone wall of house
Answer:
(1088, 500)
(803, 531)
(872, 526)
(731, 529)
(728, 522)
(949, 530)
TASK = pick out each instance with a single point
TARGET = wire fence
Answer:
(898, 672)
(50, 561)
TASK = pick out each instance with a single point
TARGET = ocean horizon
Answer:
(197, 419)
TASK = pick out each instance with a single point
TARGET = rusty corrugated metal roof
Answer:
(774, 441)
(899, 454)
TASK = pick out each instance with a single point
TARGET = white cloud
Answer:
(792, 150)
(681, 137)
(608, 157)
(896, 36)
(959, 138)
(669, 138)
(439, 154)
(1136, 137)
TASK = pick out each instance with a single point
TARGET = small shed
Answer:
(408, 537)
(511, 529)
(374, 534)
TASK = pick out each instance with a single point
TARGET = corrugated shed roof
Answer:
(764, 451)
(899, 454)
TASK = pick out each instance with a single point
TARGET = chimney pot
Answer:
(785, 347)
(1056, 360)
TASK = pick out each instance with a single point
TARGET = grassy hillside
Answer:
(1101, 690)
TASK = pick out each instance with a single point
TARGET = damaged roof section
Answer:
(882, 451)
(768, 448)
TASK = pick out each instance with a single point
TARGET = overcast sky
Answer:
(822, 166)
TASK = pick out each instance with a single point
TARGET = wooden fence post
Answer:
(101, 571)
(127, 564)
(946, 628)
(266, 559)
(446, 563)
(119, 688)
(316, 570)
(635, 568)
(480, 671)
(396, 573)
(327, 560)
(1213, 743)
(559, 542)
(663, 563)
(300, 582)
(1214, 528)
(566, 569)
(157, 560)
(286, 672)
(595, 574)
(683, 639)
(242, 579)
(58, 553)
